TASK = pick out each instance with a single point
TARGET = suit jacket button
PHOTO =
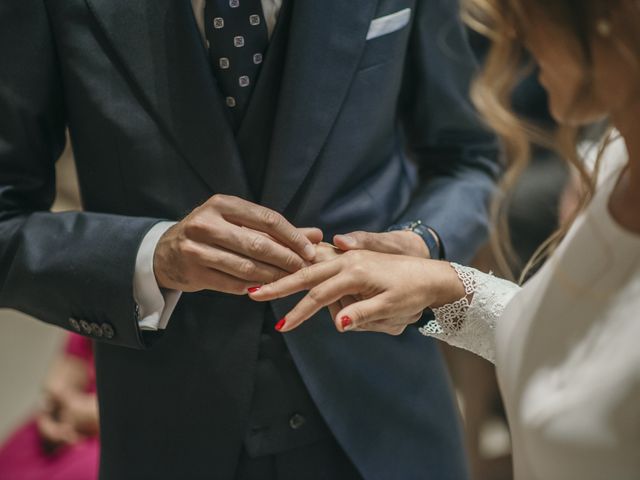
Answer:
(75, 324)
(107, 331)
(86, 327)
(96, 330)
(297, 421)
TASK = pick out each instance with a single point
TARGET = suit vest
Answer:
(282, 416)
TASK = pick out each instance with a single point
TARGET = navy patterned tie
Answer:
(237, 38)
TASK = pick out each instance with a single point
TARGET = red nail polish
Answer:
(346, 322)
(280, 324)
(253, 289)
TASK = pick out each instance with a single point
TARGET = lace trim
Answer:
(470, 324)
(450, 318)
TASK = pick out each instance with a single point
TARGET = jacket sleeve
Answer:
(471, 324)
(72, 269)
(457, 157)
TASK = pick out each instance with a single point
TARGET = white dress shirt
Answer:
(156, 305)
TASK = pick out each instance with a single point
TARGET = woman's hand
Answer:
(390, 291)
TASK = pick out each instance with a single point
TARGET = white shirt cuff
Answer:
(155, 304)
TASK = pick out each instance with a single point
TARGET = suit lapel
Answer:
(159, 45)
(325, 45)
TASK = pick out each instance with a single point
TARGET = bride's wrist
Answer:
(446, 284)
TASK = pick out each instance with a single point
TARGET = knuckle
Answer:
(316, 295)
(189, 248)
(399, 330)
(195, 226)
(358, 270)
(247, 267)
(271, 219)
(387, 306)
(292, 262)
(305, 275)
(354, 256)
(258, 245)
(296, 237)
(218, 200)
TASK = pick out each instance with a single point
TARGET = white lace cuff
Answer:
(469, 323)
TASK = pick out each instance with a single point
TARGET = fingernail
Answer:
(309, 252)
(253, 289)
(280, 324)
(346, 323)
(346, 239)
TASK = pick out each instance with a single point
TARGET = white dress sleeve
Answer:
(471, 324)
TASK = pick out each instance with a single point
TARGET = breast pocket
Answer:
(386, 38)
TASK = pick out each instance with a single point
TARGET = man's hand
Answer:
(402, 242)
(230, 245)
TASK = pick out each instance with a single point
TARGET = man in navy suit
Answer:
(206, 134)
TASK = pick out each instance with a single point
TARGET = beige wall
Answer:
(27, 346)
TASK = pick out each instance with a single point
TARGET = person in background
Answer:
(61, 441)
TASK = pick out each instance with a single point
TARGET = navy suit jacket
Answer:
(367, 133)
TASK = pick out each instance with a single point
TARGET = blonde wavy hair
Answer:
(505, 66)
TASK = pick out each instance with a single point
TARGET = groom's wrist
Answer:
(428, 235)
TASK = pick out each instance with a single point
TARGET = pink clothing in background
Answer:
(22, 456)
(81, 347)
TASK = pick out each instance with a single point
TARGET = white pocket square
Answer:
(389, 23)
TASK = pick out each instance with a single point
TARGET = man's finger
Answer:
(244, 213)
(377, 242)
(314, 235)
(304, 279)
(318, 297)
(243, 268)
(210, 279)
(253, 245)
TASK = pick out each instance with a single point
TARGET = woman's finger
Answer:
(344, 302)
(318, 297)
(334, 308)
(304, 279)
(391, 326)
(382, 327)
(347, 300)
(364, 312)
